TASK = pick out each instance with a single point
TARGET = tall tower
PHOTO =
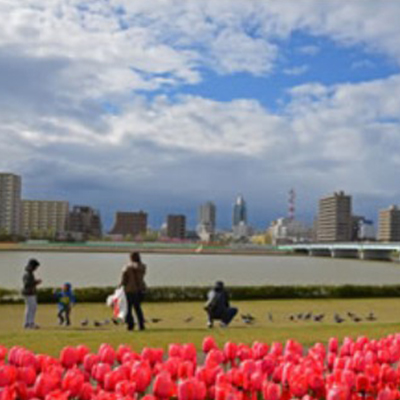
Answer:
(207, 216)
(10, 204)
(292, 204)
(239, 212)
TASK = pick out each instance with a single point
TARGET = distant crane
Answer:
(292, 204)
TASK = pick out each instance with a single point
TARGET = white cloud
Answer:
(297, 70)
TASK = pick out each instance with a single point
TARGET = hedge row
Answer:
(163, 294)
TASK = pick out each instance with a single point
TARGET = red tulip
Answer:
(89, 361)
(271, 391)
(214, 358)
(45, 384)
(186, 370)
(125, 388)
(163, 386)
(362, 383)
(82, 351)
(8, 375)
(333, 345)
(87, 392)
(175, 350)
(112, 378)
(21, 390)
(148, 397)
(141, 376)
(189, 352)
(230, 351)
(27, 375)
(3, 353)
(107, 354)
(73, 382)
(99, 371)
(57, 395)
(209, 344)
(8, 393)
(187, 390)
(260, 350)
(69, 356)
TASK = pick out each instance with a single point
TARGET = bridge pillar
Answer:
(344, 253)
(380, 255)
(320, 252)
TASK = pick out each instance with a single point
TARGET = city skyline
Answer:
(160, 105)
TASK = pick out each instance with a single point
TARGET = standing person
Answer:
(218, 307)
(30, 293)
(65, 301)
(132, 281)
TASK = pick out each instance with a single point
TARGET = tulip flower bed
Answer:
(359, 369)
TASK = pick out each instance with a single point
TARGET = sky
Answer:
(161, 105)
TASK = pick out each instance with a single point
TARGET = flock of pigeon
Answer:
(249, 319)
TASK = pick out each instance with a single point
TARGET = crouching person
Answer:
(218, 307)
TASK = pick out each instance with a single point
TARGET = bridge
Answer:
(362, 251)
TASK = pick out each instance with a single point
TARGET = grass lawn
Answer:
(51, 338)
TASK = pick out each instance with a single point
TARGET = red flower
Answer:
(163, 386)
(209, 344)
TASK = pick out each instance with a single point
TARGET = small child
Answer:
(66, 300)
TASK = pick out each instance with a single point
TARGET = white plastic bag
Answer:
(117, 301)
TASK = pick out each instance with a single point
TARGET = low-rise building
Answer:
(84, 223)
(176, 226)
(130, 224)
(44, 218)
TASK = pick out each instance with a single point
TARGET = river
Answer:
(103, 269)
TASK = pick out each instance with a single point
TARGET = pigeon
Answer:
(292, 317)
(319, 317)
(338, 319)
(85, 322)
(155, 320)
(188, 319)
(371, 317)
(307, 316)
(247, 319)
(350, 314)
(300, 316)
(270, 317)
(106, 322)
(97, 323)
(248, 316)
(356, 319)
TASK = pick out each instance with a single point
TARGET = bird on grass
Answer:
(270, 317)
(97, 324)
(106, 322)
(338, 319)
(300, 316)
(371, 317)
(308, 316)
(292, 317)
(155, 320)
(356, 319)
(319, 317)
(85, 322)
(188, 319)
(247, 319)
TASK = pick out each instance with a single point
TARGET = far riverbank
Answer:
(146, 248)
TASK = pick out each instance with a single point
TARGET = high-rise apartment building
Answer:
(389, 225)
(10, 204)
(84, 222)
(239, 212)
(334, 218)
(176, 226)
(207, 221)
(130, 223)
(44, 218)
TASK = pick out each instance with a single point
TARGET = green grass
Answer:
(51, 338)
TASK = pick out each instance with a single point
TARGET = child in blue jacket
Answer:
(65, 301)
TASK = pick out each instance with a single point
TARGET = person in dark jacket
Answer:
(218, 307)
(29, 292)
(132, 281)
(65, 301)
